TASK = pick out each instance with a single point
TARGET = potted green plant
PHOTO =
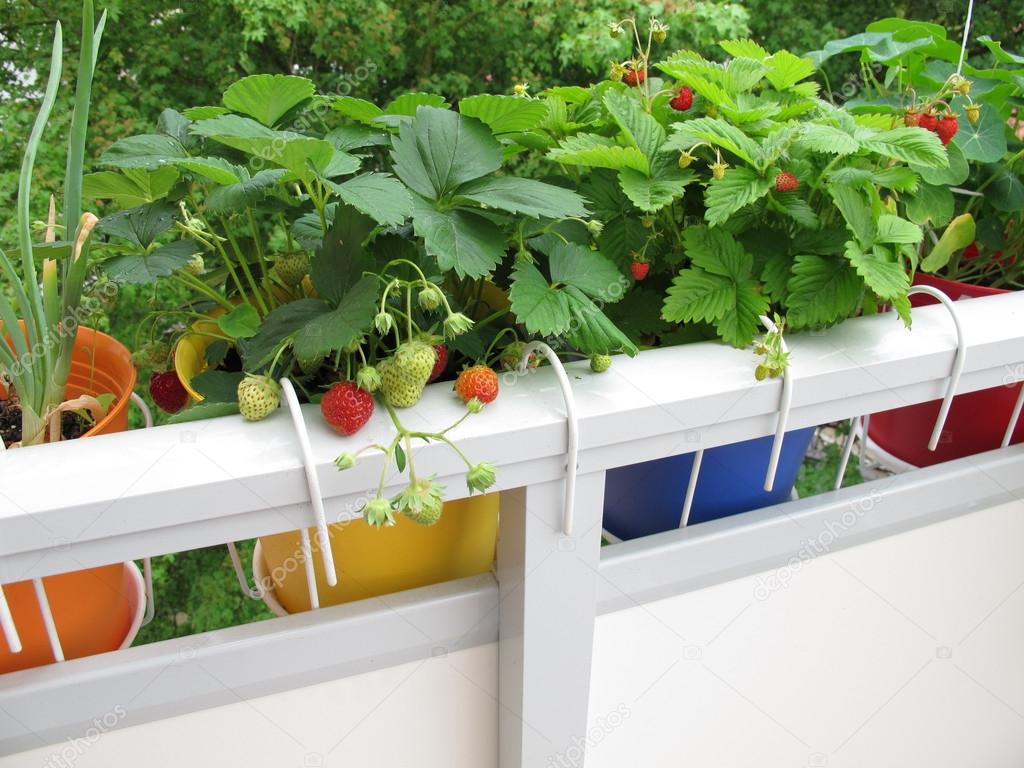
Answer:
(727, 193)
(973, 211)
(61, 379)
(432, 263)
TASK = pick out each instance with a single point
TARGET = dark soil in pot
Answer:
(73, 425)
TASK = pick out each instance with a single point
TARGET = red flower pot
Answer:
(976, 421)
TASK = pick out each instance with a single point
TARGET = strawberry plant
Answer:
(361, 250)
(973, 210)
(758, 198)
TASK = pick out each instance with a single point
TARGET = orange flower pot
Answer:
(97, 609)
(371, 562)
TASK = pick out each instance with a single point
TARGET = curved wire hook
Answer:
(784, 405)
(315, 496)
(958, 361)
(572, 424)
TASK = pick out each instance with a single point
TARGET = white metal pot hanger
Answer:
(572, 425)
(7, 625)
(319, 516)
(860, 423)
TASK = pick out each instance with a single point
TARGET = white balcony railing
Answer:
(174, 488)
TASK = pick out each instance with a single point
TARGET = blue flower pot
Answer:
(647, 498)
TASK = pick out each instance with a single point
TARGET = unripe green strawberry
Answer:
(195, 266)
(600, 363)
(421, 502)
(291, 268)
(405, 374)
(152, 354)
(258, 397)
(309, 365)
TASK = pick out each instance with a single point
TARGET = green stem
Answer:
(198, 285)
(243, 263)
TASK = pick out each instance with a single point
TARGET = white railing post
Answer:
(548, 602)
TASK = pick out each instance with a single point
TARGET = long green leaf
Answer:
(32, 312)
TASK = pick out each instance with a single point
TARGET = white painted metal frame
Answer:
(185, 486)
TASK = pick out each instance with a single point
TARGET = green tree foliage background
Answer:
(168, 53)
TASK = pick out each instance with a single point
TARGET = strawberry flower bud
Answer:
(368, 378)
(378, 513)
(480, 477)
(430, 297)
(383, 322)
(474, 405)
(456, 324)
(345, 461)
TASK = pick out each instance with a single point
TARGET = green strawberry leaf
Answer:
(592, 332)
(893, 229)
(696, 295)
(640, 129)
(281, 323)
(268, 97)
(504, 114)
(439, 150)
(586, 270)
(146, 151)
(653, 194)
(462, 241)
(147, 269)
(334, 330)
(911, 145)
(242, 322)
(527, 196)
(737, 189)
(132, 187)
(218, 386)
(541, 307)
(237, 196)
(717, 252)
(822, 290)
(885, 278)
(378, 195)
(339, 263)
(599, 152)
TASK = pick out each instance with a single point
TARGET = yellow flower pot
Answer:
(190, 355)
(372, 562)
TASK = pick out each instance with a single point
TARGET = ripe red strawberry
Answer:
(971, 252)
(441, 364)
(928, 121)
(911, 118)
(639, 270)
(634, 77)
(786, 182)
(346, 407)
(947, 128)
(167, 392)
(683, 101)
(480, 382)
